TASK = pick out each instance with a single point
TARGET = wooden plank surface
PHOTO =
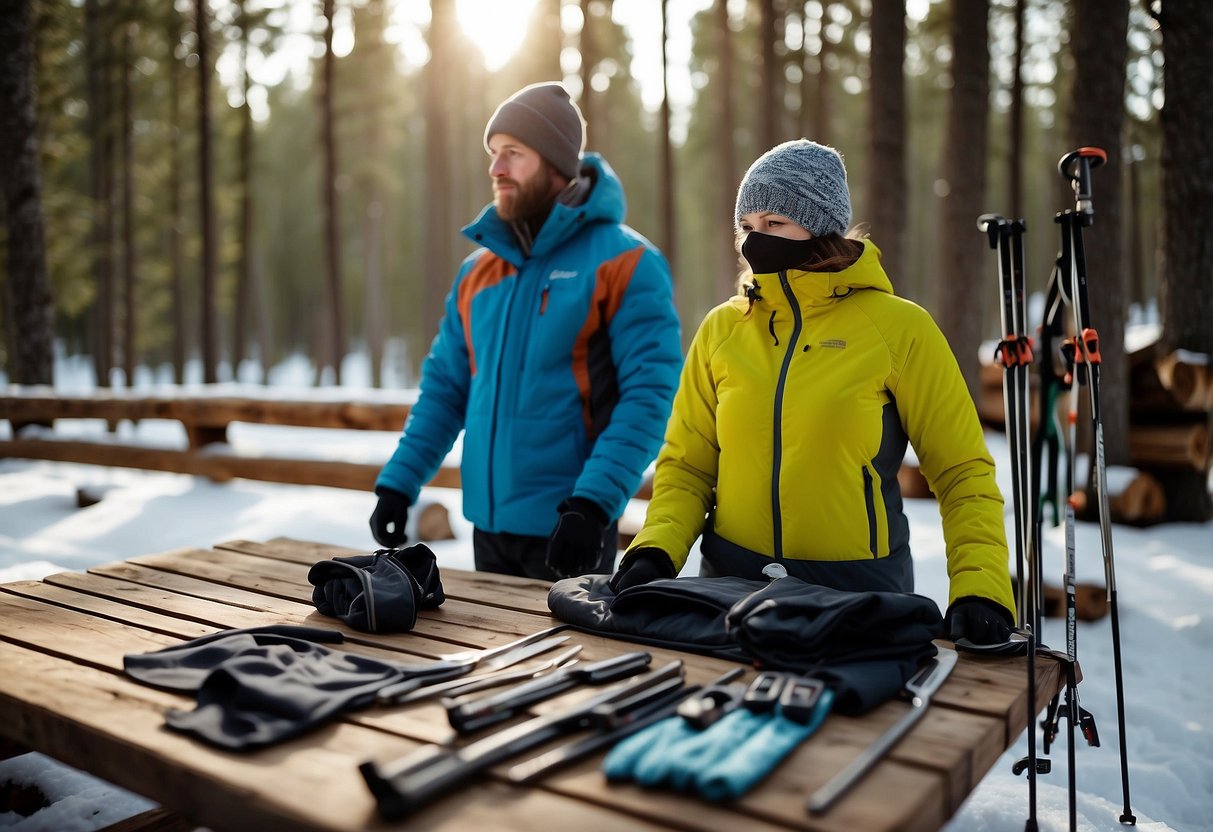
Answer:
(62, 691)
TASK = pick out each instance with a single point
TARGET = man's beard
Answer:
(530, 199)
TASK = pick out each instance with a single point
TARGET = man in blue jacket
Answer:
(558, 356)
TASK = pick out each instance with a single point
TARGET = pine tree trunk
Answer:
(210, 334)
(666, 181)
(1015, 157)
(331, 208)
(240, 312)
(589, 60)
(27, 291)
(769, 94)
(176, 219)
(1186, 259)
(1098, 41)
(1187, 171)
(823, 93)
(375, 205)
(129, 255)
(887, 167)
(437, 267)
(962, 296)
(97, 59)
(726, 148)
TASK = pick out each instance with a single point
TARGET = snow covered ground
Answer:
(1164, 577)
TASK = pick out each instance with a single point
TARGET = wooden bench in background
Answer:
(206, 420)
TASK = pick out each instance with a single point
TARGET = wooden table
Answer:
(62, 692)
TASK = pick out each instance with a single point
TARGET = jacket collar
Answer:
(605, 203)
(820, 288)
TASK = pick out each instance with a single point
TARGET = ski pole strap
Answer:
(1015, 350)
(1090, 344)
(1071, 351)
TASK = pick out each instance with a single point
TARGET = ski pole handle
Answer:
(1077, 166)
(991, 225)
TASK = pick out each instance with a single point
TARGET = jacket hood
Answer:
(816, 288)
(606, 203)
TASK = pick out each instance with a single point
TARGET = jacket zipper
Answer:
(777, 460)
(543, 300)
(869, 502)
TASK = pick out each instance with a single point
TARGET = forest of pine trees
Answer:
(235, 181)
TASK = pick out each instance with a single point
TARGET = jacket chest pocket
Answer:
(554, 321)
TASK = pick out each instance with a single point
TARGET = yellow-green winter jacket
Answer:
(791, 421)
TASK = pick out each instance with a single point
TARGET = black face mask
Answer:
(768, 254)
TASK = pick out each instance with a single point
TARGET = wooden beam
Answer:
(218, 467)
(208, 411)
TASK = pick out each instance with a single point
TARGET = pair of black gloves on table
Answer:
(574, 547)
(979, 620)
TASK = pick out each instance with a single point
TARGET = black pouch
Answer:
(380, 592)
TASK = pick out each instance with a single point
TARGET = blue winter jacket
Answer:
(560, 367)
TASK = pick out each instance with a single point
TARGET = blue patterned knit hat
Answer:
(801, 180)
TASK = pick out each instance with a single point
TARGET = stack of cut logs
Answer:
(1171, 410)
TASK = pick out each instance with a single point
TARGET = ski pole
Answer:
(1076, 166)
(1048, 439)
(1015, 352)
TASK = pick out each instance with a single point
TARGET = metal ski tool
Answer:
(921, 687)
(459, 664)
(503, 675)
(629, 722)
(468, 716)
(404, 785)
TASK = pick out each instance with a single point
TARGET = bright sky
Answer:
(496, 26)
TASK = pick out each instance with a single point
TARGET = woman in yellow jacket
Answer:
(796, 401)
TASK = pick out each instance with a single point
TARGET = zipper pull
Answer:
(543, 300)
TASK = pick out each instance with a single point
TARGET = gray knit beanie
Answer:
(801, 180)
(544, 118)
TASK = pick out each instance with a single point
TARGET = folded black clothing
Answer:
(380, 592)
(790, 622)
(260, 686)
(866, 645)
(683, 613)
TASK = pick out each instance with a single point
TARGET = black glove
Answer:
(575, 546)
(389, 517)
(648, 563)
(980, 620)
